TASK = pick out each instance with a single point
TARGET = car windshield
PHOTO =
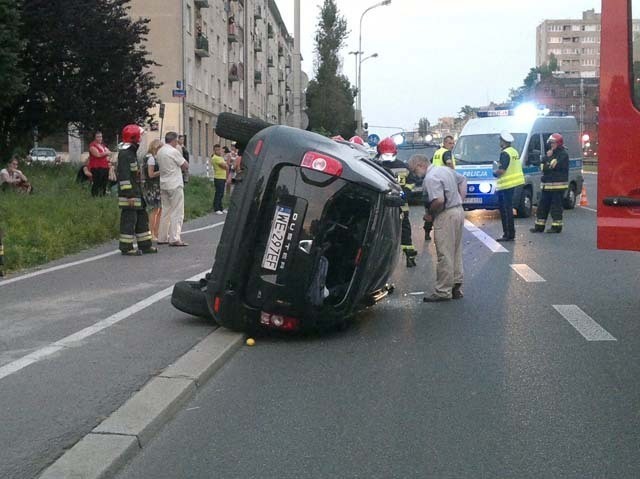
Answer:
(405, 152)
(483, 149)
(43, 152)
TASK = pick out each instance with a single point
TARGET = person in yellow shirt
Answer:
(220, 169)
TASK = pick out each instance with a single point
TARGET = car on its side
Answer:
(311, 237)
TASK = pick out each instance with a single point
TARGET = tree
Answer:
(90, 70)
(543, 72)
(330, 95)
(423, 126)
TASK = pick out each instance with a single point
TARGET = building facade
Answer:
(217, 56)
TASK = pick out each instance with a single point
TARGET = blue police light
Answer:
(526, 110)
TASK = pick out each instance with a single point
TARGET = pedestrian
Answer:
(185, 154)
(98, 165)
(220, 169)
(12, 178)
(172, 164)
(444, 155)
(508, 170)
(554, 183)
(446, 190)
(236, 158)
(229, 161)
(387, 151)
(151, 186)
(134, 221)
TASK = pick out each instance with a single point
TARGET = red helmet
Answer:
(387, 147)
(557, 137)
(357, 140)
(132, 134)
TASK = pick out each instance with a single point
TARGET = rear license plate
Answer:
(467, 201)
(277, 236)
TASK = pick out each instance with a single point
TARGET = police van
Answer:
(478, 147)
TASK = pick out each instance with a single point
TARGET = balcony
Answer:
(280, 76)
(202, 46)
(270, 62)
(257, 14)
(257, 78)
(235, 72)
(201, 3)
(232, 32)
(270, 89)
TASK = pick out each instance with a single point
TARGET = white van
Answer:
(478, 147)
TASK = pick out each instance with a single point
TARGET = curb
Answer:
(115, 441)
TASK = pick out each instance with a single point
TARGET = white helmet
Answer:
(506, 136)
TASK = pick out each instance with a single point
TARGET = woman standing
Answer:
(99, 165)
(151, 187)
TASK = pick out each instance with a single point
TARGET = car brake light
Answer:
(216, 304)
(277, 321)
(258, 148)
(319, 162)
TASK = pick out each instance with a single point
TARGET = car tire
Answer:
(569, 200)
(239, 128)
(525, 208)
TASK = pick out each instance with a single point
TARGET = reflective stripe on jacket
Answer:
(513, 176)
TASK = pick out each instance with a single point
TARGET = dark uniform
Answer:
(134, 221)
(399, 170)
(554, 183)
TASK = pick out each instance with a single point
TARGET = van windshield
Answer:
(483, 149)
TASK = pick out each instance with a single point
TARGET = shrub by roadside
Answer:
(61, 217)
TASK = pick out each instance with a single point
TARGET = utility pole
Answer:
(297, 68)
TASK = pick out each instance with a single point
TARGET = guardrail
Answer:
(590, 161)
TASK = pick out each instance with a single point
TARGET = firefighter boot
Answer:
(555, 229)
(410, 254)
(537, 228)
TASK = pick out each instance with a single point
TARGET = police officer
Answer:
(508, 170)
(444, 155)
(134, 221)
(554, 183)
(387, 151)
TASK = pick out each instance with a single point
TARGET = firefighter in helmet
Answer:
(386, 157)
(134, 221)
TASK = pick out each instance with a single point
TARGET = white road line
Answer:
(587, 208)
(487, 240)
(526, 273)
(585, 325)
(73, 339)
(86, 260)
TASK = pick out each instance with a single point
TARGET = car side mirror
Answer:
(394, 200)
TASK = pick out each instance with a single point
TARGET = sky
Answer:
(435, 56)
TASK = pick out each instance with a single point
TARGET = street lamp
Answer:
(359, 72)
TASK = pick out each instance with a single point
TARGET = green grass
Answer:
(61, 217)
(591, 168)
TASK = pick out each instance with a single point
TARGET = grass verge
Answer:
(61, 217)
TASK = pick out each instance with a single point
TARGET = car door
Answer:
(619, 135)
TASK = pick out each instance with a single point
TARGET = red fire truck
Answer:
(619, 145)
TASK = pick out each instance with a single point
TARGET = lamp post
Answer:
(359, 54)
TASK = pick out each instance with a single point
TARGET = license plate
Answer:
(277, 236)
(472, 201)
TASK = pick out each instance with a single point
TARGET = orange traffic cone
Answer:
(584, 201)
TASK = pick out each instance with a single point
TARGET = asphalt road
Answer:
(532, 375)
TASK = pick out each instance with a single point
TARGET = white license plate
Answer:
(474, 201)
(277, 236)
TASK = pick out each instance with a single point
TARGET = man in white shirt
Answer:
(171, 164)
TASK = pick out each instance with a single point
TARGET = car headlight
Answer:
(484, 187)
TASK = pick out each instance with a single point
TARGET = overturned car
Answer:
(312, 234)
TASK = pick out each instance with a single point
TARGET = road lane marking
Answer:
(587, 208)
(73, 339)
(86, 260)
(583, 323)
(484, 238)
(526, 273)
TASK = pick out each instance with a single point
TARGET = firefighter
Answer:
(386, 157)
(554, 183)
(134, 221)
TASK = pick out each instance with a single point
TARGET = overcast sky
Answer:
(435, 56)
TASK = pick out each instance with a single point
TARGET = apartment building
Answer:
(574, 43)
(215, 56)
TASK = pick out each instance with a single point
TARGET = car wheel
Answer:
(569, 200)
(239, 128)
(525, 208)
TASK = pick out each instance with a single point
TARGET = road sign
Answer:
(179, 93)
(373, 139)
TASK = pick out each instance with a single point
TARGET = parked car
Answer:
(43, 155)
(311, 237)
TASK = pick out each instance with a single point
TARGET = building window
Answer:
(555, 40)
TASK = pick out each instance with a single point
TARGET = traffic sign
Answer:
(179, 93)
(373, 139)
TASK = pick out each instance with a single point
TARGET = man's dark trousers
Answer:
(505, 201)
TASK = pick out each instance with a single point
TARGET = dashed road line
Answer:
(487, 240)
(583, 323)
(73, 339)
(587, 208)
(526, 273)
(86, 260)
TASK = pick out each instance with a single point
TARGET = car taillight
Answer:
(258, 148)
(319, 162)
(277, 321)
(216, 304)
